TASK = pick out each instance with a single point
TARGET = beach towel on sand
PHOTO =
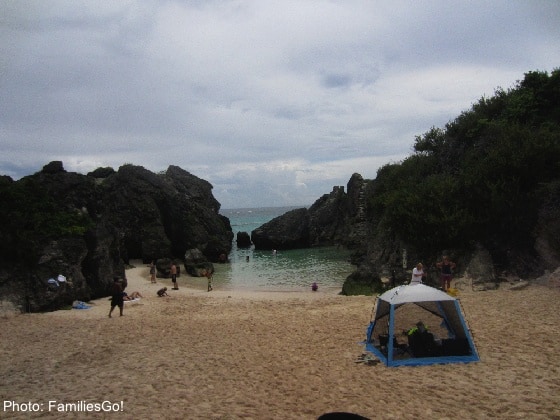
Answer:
(80, 305)
(132, 301)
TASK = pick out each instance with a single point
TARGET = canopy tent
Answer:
(393, 337)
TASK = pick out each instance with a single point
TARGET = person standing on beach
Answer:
(174, 275)
(152, 272)
(209, 274)
(417, 274)
(117, 297)
(446, 266)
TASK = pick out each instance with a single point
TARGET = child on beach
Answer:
(174, 276)
(152, 272)
(162, 292)
(209, 274)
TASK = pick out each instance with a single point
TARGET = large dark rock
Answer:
(87, 228)
(163, 215)
(328, 218)
(53, 167)
(327, 222)
(196, 263)
(363, 281)
(289, 231)
(243, 240)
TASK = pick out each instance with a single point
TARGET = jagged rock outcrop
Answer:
(87, 228)
(330, 220)
(166, 214)
(289, 231)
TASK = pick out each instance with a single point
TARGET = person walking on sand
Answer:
(174, 275)
(117, 298)
(446, 266)
(152, 272)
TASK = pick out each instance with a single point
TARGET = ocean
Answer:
(290, 270)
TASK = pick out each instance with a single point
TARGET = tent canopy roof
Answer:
(414, 293)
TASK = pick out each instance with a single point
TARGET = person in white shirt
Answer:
(417, 274)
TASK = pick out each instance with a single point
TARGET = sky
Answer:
(272, 102)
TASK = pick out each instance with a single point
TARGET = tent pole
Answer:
(391, 335)
(374, 310)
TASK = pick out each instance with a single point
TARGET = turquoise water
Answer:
(292, 270)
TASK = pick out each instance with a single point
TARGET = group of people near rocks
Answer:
(119, 296)
(446, 267)
(209, 274)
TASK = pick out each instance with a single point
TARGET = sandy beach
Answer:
(232, 355)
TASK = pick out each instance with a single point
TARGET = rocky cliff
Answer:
(335, 218)
(382, 258)
(86, 228)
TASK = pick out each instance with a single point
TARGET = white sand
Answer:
(229, 355)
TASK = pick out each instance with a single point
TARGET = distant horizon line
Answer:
(266, 207)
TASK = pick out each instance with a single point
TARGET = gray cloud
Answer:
(273, 103)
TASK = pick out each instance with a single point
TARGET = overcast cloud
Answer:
(273, 102)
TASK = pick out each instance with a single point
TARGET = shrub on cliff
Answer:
(30, 216)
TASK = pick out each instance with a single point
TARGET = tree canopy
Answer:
(483, 176)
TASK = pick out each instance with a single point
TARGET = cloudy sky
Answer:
(273, 102)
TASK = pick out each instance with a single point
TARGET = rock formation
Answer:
(288, 231)
(88, 227)
(243, 240)
(383, 259)
(196, 263)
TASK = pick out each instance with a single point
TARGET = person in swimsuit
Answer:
(152, 272)
(174, 276)
(446, 266)
(132, 296)
(209, 274)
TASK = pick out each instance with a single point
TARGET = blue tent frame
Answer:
(432, 300)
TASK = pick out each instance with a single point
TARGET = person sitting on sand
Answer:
(132, 296)
(162, 292)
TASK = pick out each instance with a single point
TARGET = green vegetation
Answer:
(31, 216)
(483, 177)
